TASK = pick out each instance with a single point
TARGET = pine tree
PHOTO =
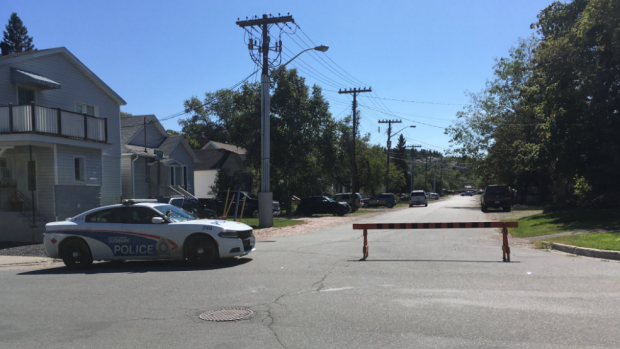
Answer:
(16, 34)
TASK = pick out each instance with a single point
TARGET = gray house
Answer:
(142, 174)
(60, 146)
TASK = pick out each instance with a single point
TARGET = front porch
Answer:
(41, 183)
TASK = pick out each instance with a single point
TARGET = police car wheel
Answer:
(200, 250)
(76, 255)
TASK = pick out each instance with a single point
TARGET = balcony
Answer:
(37, 119)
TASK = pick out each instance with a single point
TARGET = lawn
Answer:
(277, 222)
(566, 221)
(601, 241)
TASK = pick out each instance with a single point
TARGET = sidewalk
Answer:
(15, 261)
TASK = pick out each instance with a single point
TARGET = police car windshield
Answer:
(176, 214)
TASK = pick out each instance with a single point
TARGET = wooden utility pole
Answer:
(412, 147)
(265, 197)
(389, 145)
(354, 91)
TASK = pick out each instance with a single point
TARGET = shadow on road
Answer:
(136, 267)
(426, 260)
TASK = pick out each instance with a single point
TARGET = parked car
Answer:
(354, 201)
(321, 205)
(190, 205)
(404, 197)
(467, 193)
(496, 196)
(144, 229)
(433, 196)
(386, 199)
(219, 204)
(417, 197)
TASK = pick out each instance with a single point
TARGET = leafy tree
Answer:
(16, 34)
(575, 92)
(125, 114)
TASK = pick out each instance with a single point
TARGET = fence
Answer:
(53, 121)
(457, 225)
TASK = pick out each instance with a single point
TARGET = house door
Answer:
(20, 174)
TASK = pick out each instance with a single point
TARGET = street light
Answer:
(265, 197)
(389, 145)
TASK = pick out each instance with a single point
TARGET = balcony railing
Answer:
(52, 121)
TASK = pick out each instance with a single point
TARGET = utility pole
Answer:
(389, 145)
(413, 162)
(265, 197)
(354, 91)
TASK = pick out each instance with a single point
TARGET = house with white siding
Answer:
(215, 157)
(60, 146)
(143, 175)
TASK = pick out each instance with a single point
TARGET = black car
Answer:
(496, 196)
(190, 205)
(321, 205)
(386, 199)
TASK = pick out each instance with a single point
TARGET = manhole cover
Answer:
(226, 314)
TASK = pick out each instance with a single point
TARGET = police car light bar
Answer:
(137, 201)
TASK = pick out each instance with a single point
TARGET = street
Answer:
(436, 288)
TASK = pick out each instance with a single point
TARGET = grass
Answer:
(567, 220)
(277, 222)
(601, 241)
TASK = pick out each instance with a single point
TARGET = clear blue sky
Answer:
(156, 54)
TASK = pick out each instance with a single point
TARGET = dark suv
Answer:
(496, 196)
(321, 204)
(386, 199)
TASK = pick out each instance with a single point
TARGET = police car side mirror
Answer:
(157, 220)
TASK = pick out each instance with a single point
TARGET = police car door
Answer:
(102, 231)
(146, 239)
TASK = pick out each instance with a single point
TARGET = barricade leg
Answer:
(365, 248)
(505, 247)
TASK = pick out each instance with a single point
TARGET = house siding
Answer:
(153, 137)
(65, 156)
(76, 88)
(127, 184)
(181, 155)
(204, 180)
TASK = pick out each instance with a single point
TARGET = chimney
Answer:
(203, 140)
(6, 48)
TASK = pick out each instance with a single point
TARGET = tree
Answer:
(16, 34)
(575, 92)
(125, 114)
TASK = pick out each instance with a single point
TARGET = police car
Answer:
(144, 229)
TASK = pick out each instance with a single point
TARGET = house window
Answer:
(85, 109)
(78, 164)
(24, 96)
(177, 175)
(5, 173)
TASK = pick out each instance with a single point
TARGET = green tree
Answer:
(16, 34)
(575, 92)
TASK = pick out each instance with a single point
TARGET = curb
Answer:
(583, 251)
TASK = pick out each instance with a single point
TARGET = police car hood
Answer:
(226, 225)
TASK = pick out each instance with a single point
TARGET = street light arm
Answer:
(321, 48)
(412, 126)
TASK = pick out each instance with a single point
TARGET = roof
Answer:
(22, 56)
(131, 125)
(230, 147)
(211, 159)
(167, 146)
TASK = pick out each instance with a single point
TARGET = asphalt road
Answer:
(418, 289)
